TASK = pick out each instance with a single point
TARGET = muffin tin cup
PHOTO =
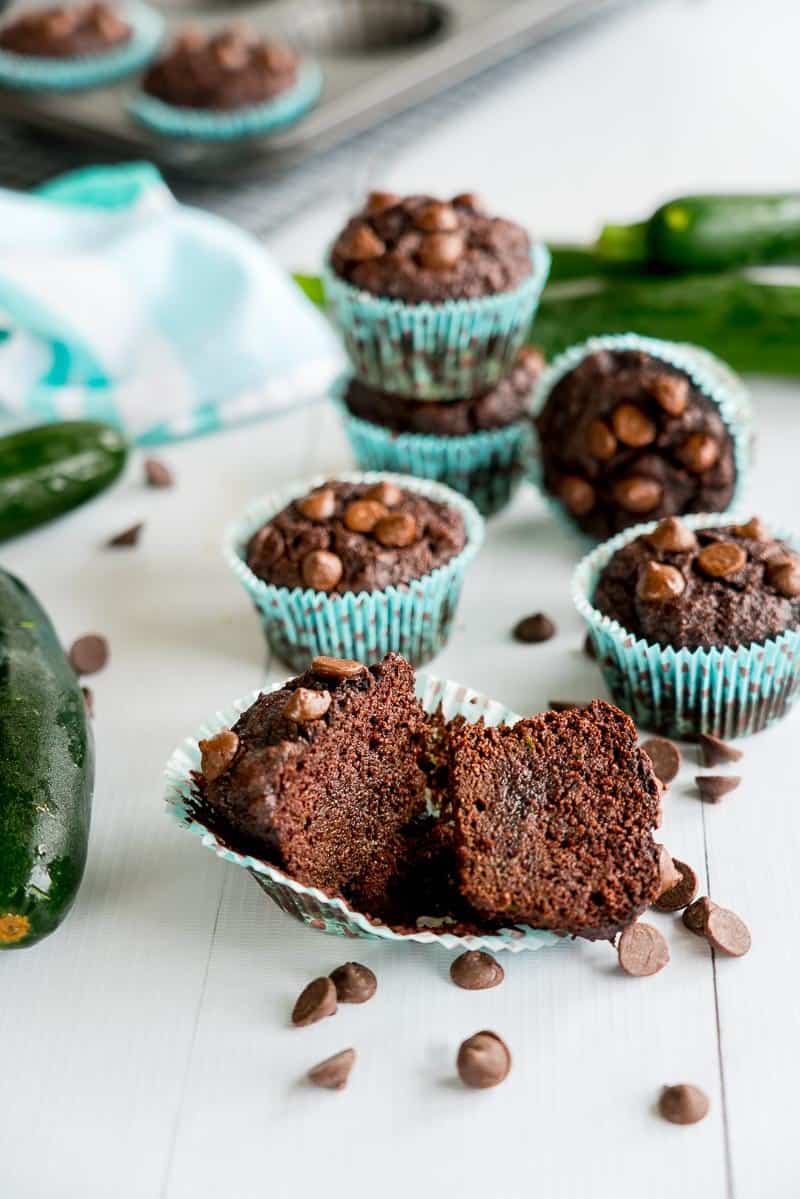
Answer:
(711, 376)
(435, 351)
(413, 619)
(88, 70)
(683, 692)
(255, 120)
(310, 905)
(487, 467)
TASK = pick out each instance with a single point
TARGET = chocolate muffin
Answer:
(554, 819)
(419, 249)
(625, 436)
(730, 585)
(226, 70)
(65, 31)
(351, 537)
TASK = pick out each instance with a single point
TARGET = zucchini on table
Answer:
(46, 772)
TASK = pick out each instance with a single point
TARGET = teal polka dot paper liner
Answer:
(413, 620)
(435, 351)
(313, 907)
(256, 120)
(89, 70)
(681, 692)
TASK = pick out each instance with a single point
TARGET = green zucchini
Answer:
(46, 772)
(50, 469)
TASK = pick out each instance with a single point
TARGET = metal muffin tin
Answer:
(378, 57)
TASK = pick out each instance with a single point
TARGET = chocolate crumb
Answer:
(537, 627)
(88, 699)
(128, 537)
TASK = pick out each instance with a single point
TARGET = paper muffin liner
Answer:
(435, 351)
(88, 70)
(413, 619)
(728, 692)
(709, 374)
(215, 125)
(310, 905)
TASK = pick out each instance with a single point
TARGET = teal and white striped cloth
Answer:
(119, 304)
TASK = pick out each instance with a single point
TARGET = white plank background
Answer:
(146, 1051)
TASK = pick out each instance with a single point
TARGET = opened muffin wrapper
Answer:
(216, 125)
(728, 692)
(709, 374)
(88, 70)
(310, 905)
(486, 466)
(413, 619)
(435, 351)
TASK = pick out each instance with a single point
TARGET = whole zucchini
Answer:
(50, 469)
(46, 772)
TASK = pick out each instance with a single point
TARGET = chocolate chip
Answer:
(439, 251)
(360, 244)
(316, 1001)
(695, 916)
(333, 1073)
(380, 201)
(436, 218)
(785, 578)
(483, 1060)
(682, 894)
(665, 757)
(127, 538)
(671, 393)
(468, 200)
(672, 536)
(721, 559)
(712, 787)
(476, 971)
(89, 654)
(305, 705)
(396, 530)
(727, 932)
(642, 950)
(565, 705)
(361, 516)
(336, 668)
(88, 699)
(217, 754)
(321, 570)
(589, 647)
(658, 582)
(714, 752)
(699, 452)
(265, 548)
(632, 426)
(668, 876)
(600, 441)
(577, 494)
(637, 494)
(755, 529)
(683, 1104)
(354, 983)
(319, 505)
(385, 493)
(157, 473)
(537, 627)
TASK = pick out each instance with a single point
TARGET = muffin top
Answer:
(627, 437)
(229, 69)
(355, 537)
(421, 249)
(65, 31)
(725, 586)
(495, 409)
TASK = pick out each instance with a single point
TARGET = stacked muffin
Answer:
(434, 300)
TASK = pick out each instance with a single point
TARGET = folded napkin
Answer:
(119, 304)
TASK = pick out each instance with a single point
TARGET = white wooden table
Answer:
(145, 1047)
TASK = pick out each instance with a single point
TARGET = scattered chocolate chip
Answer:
(537, 627)
(577, 494)
(319, 505)
(658, 582)
(333, 1073)
(566, 705)
(321, 570)
(632, 426)
(683, 1104)
(664, 756)
(668, 876)
(672, 536)
(727, 932)
(671, 393)
(785, 578)
(385, 493)
(642, 950)
(712, 787)
(483, 1060)
(721, 559)
(696, 915)
(336, 668)
(713, 752)
(600, 441)
(128, 537)
(360, 244)
(397, 530)
(699, 452)
(476, 971)
(88, 699)
(305, 705)
(755, 529)
(157, 473)
(361, 516)
(682, 893)
(468, 200)
(315, 1002)
(89, 654)
(380, 201)
(354, 983)
(217, 753)
(589, 647)
(637, 494)
(436, 217)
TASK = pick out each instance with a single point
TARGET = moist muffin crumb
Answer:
(65, 31)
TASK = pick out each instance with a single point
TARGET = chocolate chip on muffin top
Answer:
(355, 537)
(730, 585)
(626, 437)
(418, 249)
(65, 31)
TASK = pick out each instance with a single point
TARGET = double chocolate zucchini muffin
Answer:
(65, 31)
